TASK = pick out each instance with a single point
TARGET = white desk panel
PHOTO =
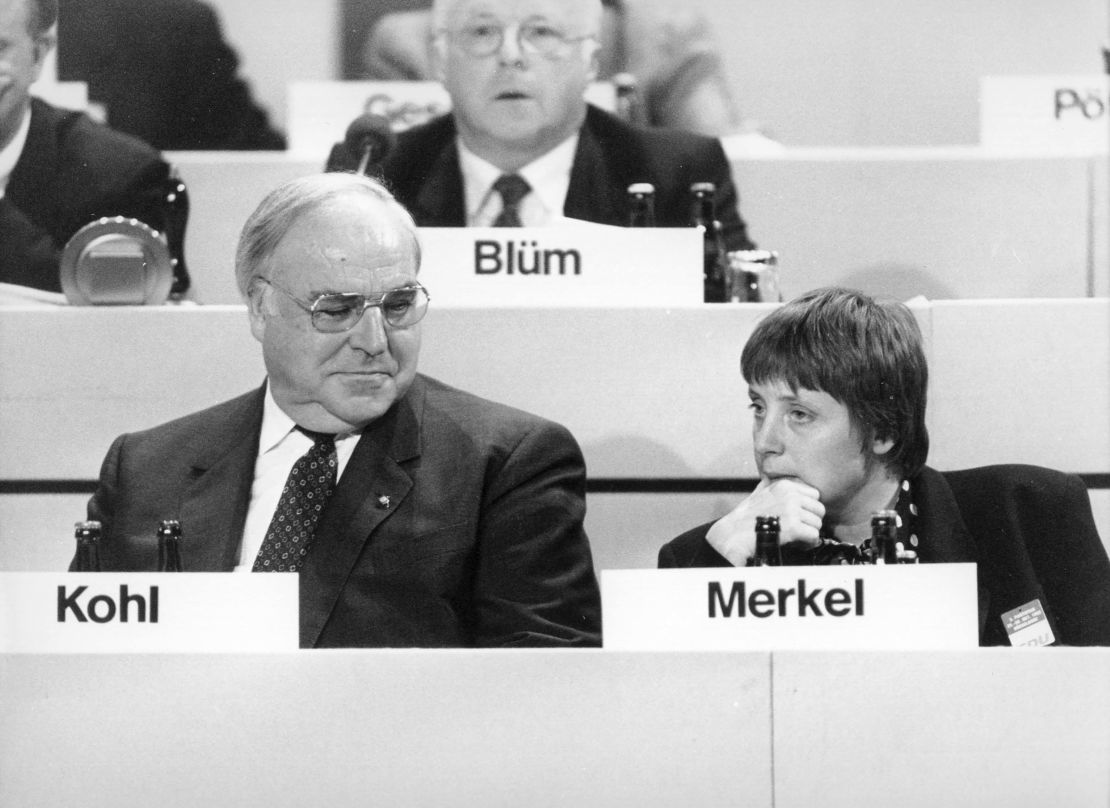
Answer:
(406, 728)
(993, 727)
(941, 222)
(649, 393)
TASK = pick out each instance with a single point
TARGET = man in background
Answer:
(58, 169)
(667, 48)
(521, 145)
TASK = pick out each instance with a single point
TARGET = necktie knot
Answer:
(512, 188)
(318, 438)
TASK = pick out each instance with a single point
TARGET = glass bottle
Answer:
(703, 215)
(169, 546)
(884, 537)
(627, 97)
(768, 553)
(641, 204)
(87, 536)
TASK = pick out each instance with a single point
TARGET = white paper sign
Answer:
(579, 265)
(319, 112)
(911, 606)
(1045, 114)
(110, 612)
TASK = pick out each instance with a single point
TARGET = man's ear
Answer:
(437, 56)
(257, 291)
(44, 43)
(593, 66)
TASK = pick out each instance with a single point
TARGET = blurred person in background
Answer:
(161, 70)
(59, 170)
(668, 49)
(521, 145)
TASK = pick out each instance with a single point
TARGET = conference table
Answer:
(1018, 344)
(991, 727)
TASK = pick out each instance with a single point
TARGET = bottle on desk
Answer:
(752, 276)
(641, 204)
(884, 537)
(703, 216)
(627, 101)
(768, 553)
(87, 557)
(169, 546)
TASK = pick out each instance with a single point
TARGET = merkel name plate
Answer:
(918, 606)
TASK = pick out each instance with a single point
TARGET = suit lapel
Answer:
(373, 486)
(37, 167)
(440, 201)
(946, 537)
(599, 177)
(214, 507)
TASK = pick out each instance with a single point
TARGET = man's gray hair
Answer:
(281, 208)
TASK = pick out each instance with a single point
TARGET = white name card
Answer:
(320, 111)
(108, 612)
(1052, 114)
(573, 265)
(904, 607)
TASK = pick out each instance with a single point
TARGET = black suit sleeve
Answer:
(28, 255)
(727, 202)
(534, 584)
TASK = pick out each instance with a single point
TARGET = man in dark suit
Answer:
(521, 146)
(415, 514)
(58, 169)
(163, 73)
(837, 383)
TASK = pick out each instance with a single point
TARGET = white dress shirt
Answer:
(280, 445)
(548, 176)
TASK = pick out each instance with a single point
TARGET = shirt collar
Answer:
(276, 425)
(548, 176)
(10, 154)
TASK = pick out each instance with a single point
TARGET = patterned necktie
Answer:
(306, 492)
(512, 188)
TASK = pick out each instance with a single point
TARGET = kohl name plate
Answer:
(901, 607)
(116, 612)
(1064, 114)
(567, 265)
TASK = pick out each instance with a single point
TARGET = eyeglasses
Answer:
(485, 39)
(336, 312)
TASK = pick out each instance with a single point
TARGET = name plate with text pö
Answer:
(566, 265)
(115, 612)
(1063, 115)
(903, 607)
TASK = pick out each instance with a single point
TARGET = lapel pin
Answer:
(383, 502)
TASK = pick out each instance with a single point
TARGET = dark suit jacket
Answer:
(423, 172)
(1030, 530)
(163, 71)
(71, 172)
(482, 543)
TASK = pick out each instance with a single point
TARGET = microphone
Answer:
(371, 138)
